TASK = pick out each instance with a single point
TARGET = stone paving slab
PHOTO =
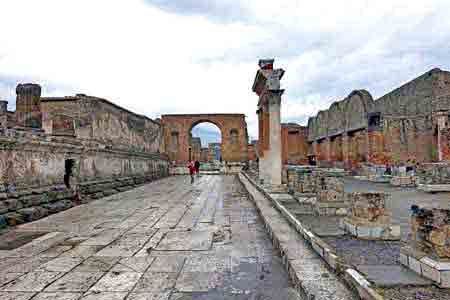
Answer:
(156, 282)
(187, 240)
(117, 281)
(148, 241)
(150, 296)
(8, 277)
(57, 296)
(97, 264)
(167, 264)
(31, 282)
(94, 295)
(81, 251)
(194, 282)
(134, 264)
(16, 295)
(75, 282)
(61, 264)
(392, 275)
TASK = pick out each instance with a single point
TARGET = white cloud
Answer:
(154, 58)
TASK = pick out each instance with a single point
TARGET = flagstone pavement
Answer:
(164, 240)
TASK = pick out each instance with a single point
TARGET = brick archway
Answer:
(233, 128)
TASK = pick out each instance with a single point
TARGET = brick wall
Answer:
(294, 145)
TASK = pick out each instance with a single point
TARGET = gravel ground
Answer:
(361, 252)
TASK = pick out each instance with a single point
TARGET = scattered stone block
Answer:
(369, 217)
(428, 249)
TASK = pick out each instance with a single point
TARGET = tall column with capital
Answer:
(267, 87)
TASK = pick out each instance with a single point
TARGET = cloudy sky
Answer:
(200, 56)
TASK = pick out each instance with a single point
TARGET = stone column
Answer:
(267, 87)
(274, 153)
(28, 106)
(440, 120)
(346, 149)
(328, 149)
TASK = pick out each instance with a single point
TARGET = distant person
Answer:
(197, 167)
(388, 170)
(191, 168)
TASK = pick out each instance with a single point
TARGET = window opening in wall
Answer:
(234, 135)
(174, 141)
(68, 165)
(374, 120)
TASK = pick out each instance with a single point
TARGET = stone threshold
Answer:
(311, 276)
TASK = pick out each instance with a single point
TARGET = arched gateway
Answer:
(177, 132)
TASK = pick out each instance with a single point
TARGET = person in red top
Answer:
(191, 168)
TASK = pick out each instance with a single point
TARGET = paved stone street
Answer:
(164, 240)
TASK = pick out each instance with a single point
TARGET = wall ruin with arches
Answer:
(409, 124)
(177, 132)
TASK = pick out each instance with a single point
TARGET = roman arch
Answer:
(233, 128)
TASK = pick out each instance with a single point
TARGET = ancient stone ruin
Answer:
(321, 189)
(434, 177)
(267, 87)
(369, 217)
(56, 153)
(428, 249)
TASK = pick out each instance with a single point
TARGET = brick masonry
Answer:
(233, 128)
(409, 124)
(56, 153)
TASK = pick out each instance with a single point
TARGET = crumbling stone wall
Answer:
(89, 148)
(369, 217)
(408, 124)
(434, 173)
(294, 145)
(33, 169)
(312, 180)
(430, 231)
(101, 120)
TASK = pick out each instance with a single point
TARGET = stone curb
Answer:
(287, 247)
(351, 276)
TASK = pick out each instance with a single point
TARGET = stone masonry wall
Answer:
(98, 119)
(33, 167)
(434, 173)
(400, 126)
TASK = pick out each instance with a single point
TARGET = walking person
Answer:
(197, 167)
(191, 168)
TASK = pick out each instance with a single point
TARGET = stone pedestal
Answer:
(369, 217)
(428, 250)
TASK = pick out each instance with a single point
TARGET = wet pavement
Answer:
(165, 240)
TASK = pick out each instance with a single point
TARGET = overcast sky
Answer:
(200, 56)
